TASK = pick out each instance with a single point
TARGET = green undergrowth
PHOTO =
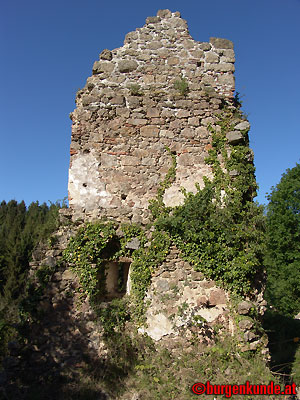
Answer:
(136, 369)
(182, 86)
(163, 375)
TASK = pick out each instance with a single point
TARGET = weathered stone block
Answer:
(193, 121)
(149, 131)
(207, 284)
(223, 67)
(138, 121)
(155, 45)
(153, 113)
(229, 55)
(124, 112)
(197, 53)
(152, 20)
(118, 100)
(183, 114)
(249, 336)
(211, 57)
(134, 244)
(68, 275)
(176, 124)
(178, 23)
(86, 100)
(185, 160)
(108, 160)
(202, 132)
(226, 79)
(148, 161)
(202, 301)
(197, 276)
(163, 285)
(148, 79)
(188, 132)
(166, 133)
(164, 13)
(49, 261)
(173, 60)
(102, 66)
(217, 296)
(129, 160)
(245, 324)
(244, 307)
(227, 59)
(127, 65)
(242, 126)
(133, 101)
(131, 36)
(106, 55)
(188, 44)
(234, 137)
(205, 46)
(219, 43)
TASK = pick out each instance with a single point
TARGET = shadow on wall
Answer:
(117, 282)
(58, 362)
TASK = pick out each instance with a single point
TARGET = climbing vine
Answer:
(143, 266)
(157, 206)
(94, 244)
(85, 254)
(219, 229)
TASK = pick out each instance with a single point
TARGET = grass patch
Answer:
(166, 375)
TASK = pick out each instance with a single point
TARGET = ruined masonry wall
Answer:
(183, 305)
(129, 111)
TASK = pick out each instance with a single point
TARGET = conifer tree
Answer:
(21, 230)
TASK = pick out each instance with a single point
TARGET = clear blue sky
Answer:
(48, 49)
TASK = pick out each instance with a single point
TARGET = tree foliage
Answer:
(21, 229)
(283, 243)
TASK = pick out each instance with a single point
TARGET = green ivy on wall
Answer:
(156, 205)
(219, 229)
(85, 255)
(145, 260)
(94, 244)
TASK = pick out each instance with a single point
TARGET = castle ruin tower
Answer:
(160, 91)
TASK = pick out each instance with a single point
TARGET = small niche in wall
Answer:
(116, 279)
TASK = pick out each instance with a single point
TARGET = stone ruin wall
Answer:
(126, 115)
(183, 304)
(129, 111)
(118, 158)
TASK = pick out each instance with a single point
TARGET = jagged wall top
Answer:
(129, 111)
(165, 39)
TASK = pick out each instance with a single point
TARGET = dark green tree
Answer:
(283, 244)
(20, 231)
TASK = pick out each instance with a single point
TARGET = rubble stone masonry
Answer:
(136, 104)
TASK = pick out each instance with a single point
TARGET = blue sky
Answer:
(48, 49)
